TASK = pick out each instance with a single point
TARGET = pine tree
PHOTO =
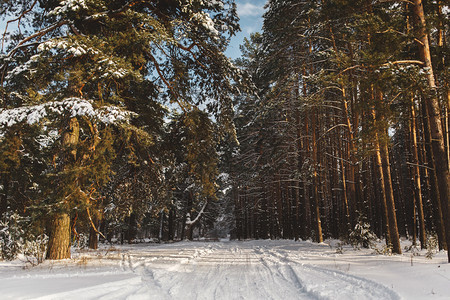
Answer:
(80, 70)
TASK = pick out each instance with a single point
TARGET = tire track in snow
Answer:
(335, 284)
(228, 271)
(291, 275)
(231, 271)
(244, 272)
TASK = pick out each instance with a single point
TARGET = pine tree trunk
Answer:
(93, 239)
(382, 182)
(318, 223)
(432, 181)
(437, 138)
(4, 194)
(447, 126)
(59, 235)
(296, 186)
(59, 240)
(352, 199)
(393, 227)
(171, 224)
(388, 190)
(345, 200)
(93, 235)
(417, 183)
(380, 175)
(307, 214)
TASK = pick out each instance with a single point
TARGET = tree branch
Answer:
(17, 19)
(169, 86)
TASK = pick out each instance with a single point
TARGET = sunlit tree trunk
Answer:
(432, 180)
(59, 235)
(417, 182)
(382, 189)
(59, 239)
(393, 227)
(432, 103)
(93, 236)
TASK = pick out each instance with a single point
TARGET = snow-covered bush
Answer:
(340, 248)
(16, 238)
(81, 241)
(385, 250)
(432, 246)
(11, 236)
(362, 235)
(34, 249)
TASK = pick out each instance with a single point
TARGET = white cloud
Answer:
(250, 29)
(248, 9)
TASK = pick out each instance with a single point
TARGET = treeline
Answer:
(350, 125)
(101, 131)
(119, 119)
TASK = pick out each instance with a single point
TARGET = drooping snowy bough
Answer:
(71, 107)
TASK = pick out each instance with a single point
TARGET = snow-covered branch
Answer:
(70, 106)
(191, 222)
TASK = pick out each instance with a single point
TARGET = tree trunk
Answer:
(307, 214)
(93, 235)
(4, 194)
(93, 239)
(417, 184)
(432, 180)
(59, 240)
(380, 175)
(351, 151)
(171, 224)
(318, 223)
(393, 227)
(432, 103)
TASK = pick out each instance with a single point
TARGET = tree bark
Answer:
(93, 235)
(4, 194)
(59, 239)
(432, 103)
(59, 235)
(432, 180)
(417, 184)
(318, 222)
(351, 151)
(393, 227)
(380, 175)
(93, 239)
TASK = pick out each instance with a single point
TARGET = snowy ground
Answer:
(229, 270)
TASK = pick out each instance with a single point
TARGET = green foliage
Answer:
(81, 241)
(35, 248)
(362, 235)
(19, 236)
(11, 236)
(432, 246)
(121, 57)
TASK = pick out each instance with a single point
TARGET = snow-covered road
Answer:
(228, 270)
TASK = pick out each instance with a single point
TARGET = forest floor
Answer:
(230, 270)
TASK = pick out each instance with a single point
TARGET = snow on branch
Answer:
(72, 48)
(188, 219)
(106, 66)
(205, 20)
(69, 5)
(70, 106)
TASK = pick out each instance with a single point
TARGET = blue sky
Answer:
(250, 12)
